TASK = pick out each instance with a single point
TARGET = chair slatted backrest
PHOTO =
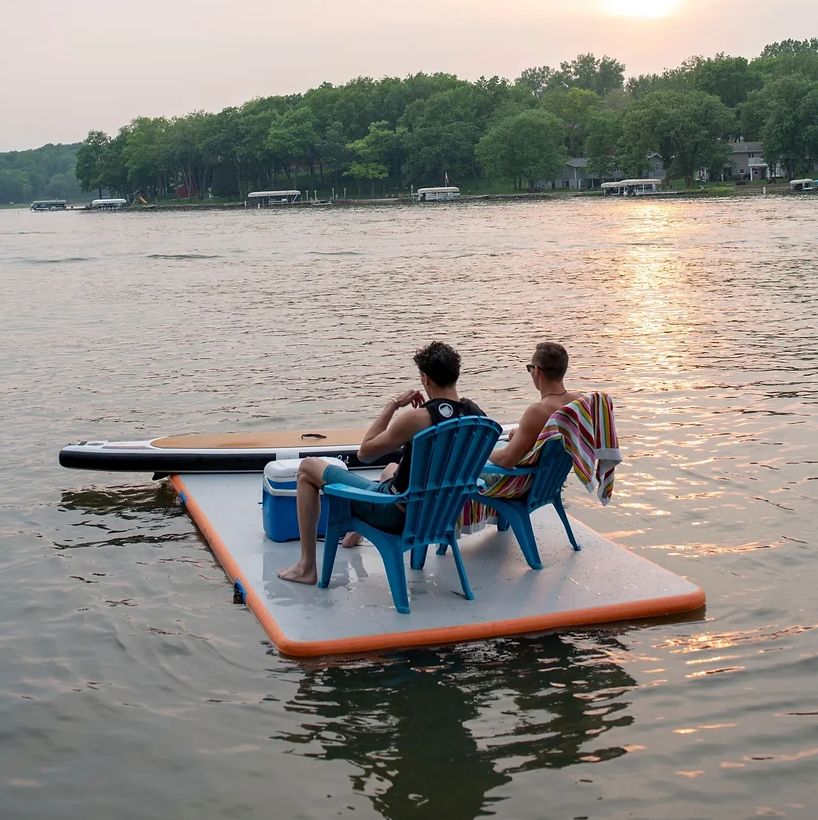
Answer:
(553, 465)
(446, 462)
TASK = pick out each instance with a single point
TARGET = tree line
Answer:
(423, 129)
(41, 173)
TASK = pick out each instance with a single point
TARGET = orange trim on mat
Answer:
(636, 610)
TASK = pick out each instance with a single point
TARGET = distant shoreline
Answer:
(717, 192)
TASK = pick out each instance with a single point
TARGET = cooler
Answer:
(278, 500)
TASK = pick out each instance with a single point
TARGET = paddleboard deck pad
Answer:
(600, 584)
(221, 453)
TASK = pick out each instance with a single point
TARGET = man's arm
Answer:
(384, 437)
(531, 425)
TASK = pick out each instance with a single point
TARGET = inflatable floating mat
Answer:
(600, 584)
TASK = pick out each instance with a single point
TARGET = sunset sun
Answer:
(644, 9)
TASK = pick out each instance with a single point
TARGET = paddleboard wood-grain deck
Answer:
(262, 440)
(218, 452)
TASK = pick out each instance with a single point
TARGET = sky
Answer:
(69, 66)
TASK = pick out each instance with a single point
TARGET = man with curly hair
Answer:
(439, 366)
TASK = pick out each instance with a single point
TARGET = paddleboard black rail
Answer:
(168, 463)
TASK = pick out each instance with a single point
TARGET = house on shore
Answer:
(577, 177)
(746, 162)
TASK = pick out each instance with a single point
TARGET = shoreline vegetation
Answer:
(548, 130)
(705, 191)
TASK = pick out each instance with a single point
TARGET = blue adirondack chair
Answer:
(447, 460)
(549, 473)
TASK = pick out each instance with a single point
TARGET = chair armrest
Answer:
(357, 494)
(495, 470)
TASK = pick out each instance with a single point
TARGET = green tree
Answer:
(527, 146)
(89, 160)
(586, 72)
(591, 74)
(791, 48)
(536, 79)
(574, 107)
(334, 151)
(785, 115)
(370, 171)
(443, 130)
(604, 133)
(113, 170)
(688, 130)
(681, 78)
(728, 78)
(40, 173)
(383, 148)
(148, 156)
(15, 186)
(293, 141)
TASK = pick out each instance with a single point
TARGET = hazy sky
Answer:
(67, 66)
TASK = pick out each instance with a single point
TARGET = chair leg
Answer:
(502, 523)
(520, 521)
(464, 581)
(418, 559)
(564, 518)
(393, 561)
(441, 549)
(331, 540)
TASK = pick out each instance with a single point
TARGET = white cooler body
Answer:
(278, 508)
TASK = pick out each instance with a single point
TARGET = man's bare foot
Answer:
(300, 574)
(351, 539)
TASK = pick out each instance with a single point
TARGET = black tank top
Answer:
(439, 410)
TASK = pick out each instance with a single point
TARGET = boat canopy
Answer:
(273, 193)
(108, 203)
(801, 183)
(48, 205)
(438, 194)
(625, 182)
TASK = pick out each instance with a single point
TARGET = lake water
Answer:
(132, 687)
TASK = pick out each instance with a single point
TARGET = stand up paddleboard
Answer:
(217, 453)
(220, 452)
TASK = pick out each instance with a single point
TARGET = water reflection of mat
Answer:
(600, 584)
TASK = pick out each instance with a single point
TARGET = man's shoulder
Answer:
(413, 421)
(537, 409)
(471, 408)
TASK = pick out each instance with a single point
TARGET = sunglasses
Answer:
(531, 367)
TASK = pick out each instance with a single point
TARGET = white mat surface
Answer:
(602, 582)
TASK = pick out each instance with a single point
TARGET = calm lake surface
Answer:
(132, 687)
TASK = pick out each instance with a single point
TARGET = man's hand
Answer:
(413, 397)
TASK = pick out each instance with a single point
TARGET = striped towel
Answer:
(476, 516)
(589, 437)
(513, 486)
